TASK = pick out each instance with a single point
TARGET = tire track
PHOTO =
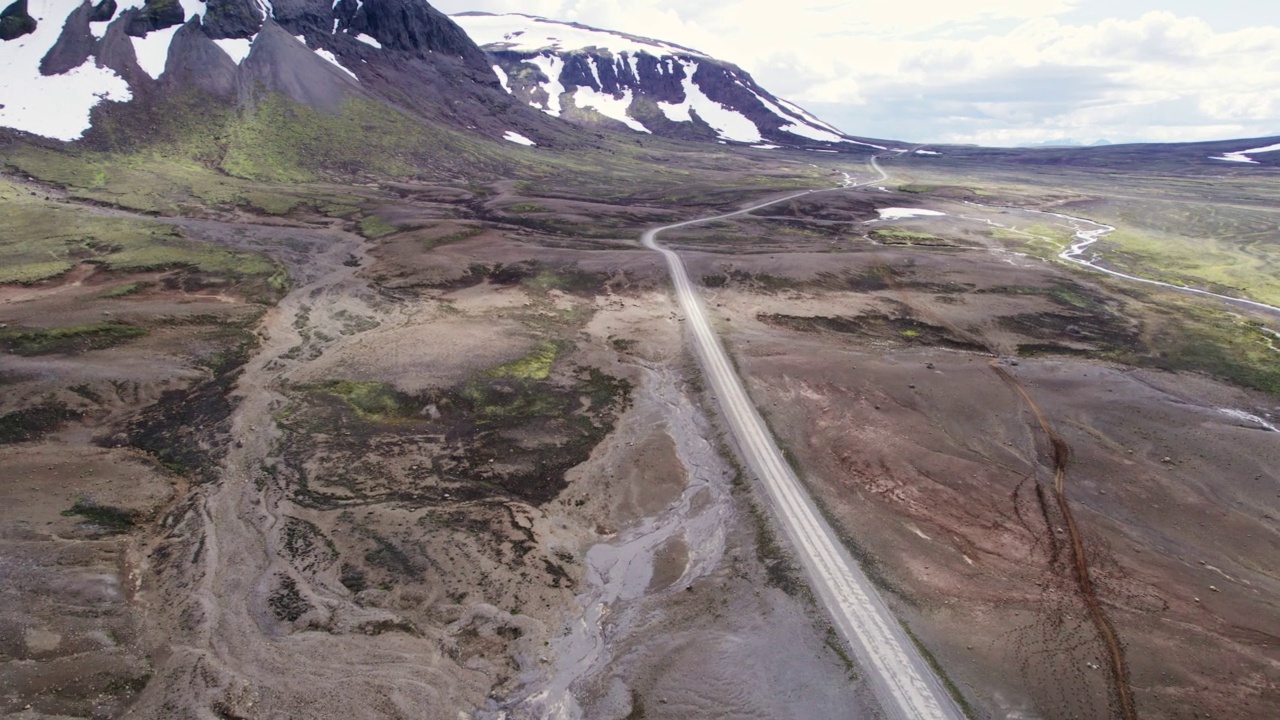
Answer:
(1061, 456)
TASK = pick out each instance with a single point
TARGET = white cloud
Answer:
(990, 71)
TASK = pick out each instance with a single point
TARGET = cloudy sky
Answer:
(995, 72)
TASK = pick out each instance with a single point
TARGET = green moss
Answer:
(279, 281)
(374, 227)
(123, 290)
(40, 240)
(373, 400)
(902, 236)
(69, 339)
(1220, 266)
(1217, 344)
(534, 366)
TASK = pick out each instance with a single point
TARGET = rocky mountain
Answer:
(590, 75)
(63, 58)
(67, 61)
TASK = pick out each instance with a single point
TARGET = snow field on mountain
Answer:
(153, 50)
(529, 33)
(550, 66)
(608, 105)
(546, 39)
(728, 124)
(56, 106)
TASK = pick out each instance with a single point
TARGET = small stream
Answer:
(1086, 238)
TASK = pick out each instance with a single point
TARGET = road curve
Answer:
(903, 682)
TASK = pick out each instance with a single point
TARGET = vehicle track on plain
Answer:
(1060, 455)
(902, 680)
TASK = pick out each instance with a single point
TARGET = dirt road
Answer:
(903, 681)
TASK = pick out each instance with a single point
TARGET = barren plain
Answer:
(442, 450)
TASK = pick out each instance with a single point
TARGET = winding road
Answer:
(903, 682)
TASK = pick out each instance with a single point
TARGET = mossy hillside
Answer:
(1188, 334)
(41, 240)
(170, 154)
(67, 339)
(902, 236)
(1205, 263)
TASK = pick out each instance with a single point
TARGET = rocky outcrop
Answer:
(115, 51)
(74, 46)
(410, 26)
(311, 18)
(155, 15)
(232, 18)
(195, 61)
(103, 11)
(279, 63)
(15, 21)
(403, 53)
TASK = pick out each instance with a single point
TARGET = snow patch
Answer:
(1242, 156)
(806, 115)
(1249, 417)
(517, 138)
(528, 33)
(333, 60)
(927, 152)
(608, 105)
(550, 66)
(371, 42)
(56, 106)
(502, 77)
(237, 48)
(766, 146)
(896, 213)
(153, 50)
(728, 124)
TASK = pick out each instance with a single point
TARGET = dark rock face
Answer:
(116, 52)
(103, 11)
(15, 21)
(195, 61)
(155, 15)
(661, 79)
(232, 19)
(311, 18)
(278, 62)
(410, 26)
(75, 45)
